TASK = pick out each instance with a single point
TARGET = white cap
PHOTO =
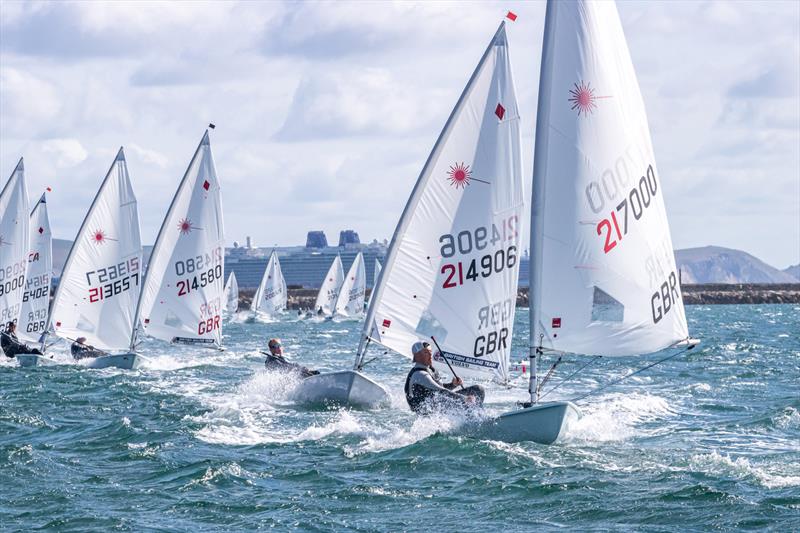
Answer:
(418, 347)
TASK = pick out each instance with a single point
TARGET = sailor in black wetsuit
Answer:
(425, 392)
(276, 361)
(10, 343)
(80, 350)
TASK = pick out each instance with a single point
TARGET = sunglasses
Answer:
(274, 345)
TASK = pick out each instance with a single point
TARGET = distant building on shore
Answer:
(303, 266)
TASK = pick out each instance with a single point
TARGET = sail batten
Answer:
(603, 275)
(452, 266)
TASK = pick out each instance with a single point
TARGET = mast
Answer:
(538, 193)
(413, 200)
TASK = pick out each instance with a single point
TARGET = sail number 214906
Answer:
(469, 241)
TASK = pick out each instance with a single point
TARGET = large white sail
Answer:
(270, 297)
(36, 300)
(452, 268)
(350, 302)
(13, 244)
(232, 294)
(603, 276)
(101, 280)
(182, 300)
(329, 291)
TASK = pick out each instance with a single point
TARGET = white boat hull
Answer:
(125, 361)
(544, 423)
(32, 359)
(346, 387)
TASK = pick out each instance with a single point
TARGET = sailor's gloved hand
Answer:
(456, 382)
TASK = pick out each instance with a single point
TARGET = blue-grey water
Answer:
(209, 441)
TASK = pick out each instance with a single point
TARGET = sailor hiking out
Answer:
(425, 392)
(80, 350)
(277, 361)
(11, 344)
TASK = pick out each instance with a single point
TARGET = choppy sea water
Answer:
(209, 441)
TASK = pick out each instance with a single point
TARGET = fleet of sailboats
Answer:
(602, 274)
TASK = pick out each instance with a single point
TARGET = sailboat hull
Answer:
(125, 361)
(32, 359)
(347, 387)
(544, 423)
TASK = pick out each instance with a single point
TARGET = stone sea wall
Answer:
(700, 294)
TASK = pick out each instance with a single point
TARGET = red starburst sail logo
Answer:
(459, 175)
(583, 98)
(185, 226)
(99, 237)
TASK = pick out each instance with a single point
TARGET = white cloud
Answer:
(67, 152)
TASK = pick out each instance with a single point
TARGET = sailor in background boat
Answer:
(10, 343)
(276, 361)
(81, 350)
(425, 392)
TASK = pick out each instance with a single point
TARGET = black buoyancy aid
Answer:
(416, 397)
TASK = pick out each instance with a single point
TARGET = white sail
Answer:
(452, 268)
(329, 291)
(375, 277)
(99, 286)
(350, 302)
(13, 244)
(270, 297)
(183, 293)
(603, 276)
(36, 300)
(232, 294)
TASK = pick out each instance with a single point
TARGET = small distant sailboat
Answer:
(602, 270)
(184, 294)
(329, 291)
(270, 298)
(451, 268)
(350, 302)
(36, 300)
(101, 280)
(232, 295)
(14, 223)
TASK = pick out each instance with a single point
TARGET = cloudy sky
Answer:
(325, 112)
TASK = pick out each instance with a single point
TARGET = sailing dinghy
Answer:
(36, 300)
(232, 295)
(329, 291)
(100, 284)
(350, 302)
(451, 268)
(270, 298)
(183, 295)
(602, 270)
